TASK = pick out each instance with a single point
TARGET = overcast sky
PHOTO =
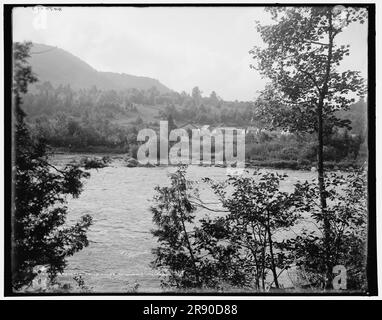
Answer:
(182, 47)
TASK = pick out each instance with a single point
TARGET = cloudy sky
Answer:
(182, 47)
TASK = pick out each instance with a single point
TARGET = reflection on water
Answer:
(118, 198)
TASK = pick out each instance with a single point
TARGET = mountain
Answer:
(60, 67)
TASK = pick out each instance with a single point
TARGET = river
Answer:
(118, 198)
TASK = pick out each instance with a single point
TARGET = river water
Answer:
(119, 198)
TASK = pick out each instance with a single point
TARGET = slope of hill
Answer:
(357, 114)
(61, 67)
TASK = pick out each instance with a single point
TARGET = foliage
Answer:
(237, 248)
(346, 211)
(277, 148)
(40, 235)
(172, 212)
(190, 256)
(258, 211)
(245, 242)
(301, 58)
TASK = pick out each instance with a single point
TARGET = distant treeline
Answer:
(132, 104)
(108, 121)
(97, 120)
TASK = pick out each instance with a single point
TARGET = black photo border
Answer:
(372, 229)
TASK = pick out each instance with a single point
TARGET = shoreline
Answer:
(299, 165)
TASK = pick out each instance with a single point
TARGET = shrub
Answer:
(235, 249)
(289, 153)
(347, 213)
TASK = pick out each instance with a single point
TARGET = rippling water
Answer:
(118, 198)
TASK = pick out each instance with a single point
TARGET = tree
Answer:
(301, 58)
(171, 123)
(237, 248)
(214, 99)
(196, 94)
(40, 235)
(172, 213)
(347, 198)
(193, 254)
(258, 210)
(213, 96)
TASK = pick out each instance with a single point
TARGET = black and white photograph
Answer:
(190, 149)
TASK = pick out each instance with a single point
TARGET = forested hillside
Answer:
(81, 109)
